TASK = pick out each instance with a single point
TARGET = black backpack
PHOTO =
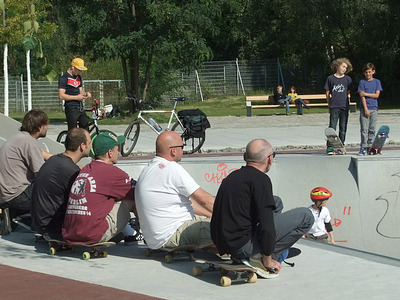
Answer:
(195, 121)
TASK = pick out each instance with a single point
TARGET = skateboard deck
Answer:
(94, 250)
(186, 250)
(379, 140)
(335, 142)
(229, 270)
(8, 221)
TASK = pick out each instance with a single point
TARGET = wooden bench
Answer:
(311, 98)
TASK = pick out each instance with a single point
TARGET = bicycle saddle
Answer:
(180, 98)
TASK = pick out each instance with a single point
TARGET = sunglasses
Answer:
(180, 146)
(273, 154)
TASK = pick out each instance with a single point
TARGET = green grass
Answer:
(223, 106)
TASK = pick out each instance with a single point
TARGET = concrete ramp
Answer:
(10, 127)
(364, 207)
(379, 204)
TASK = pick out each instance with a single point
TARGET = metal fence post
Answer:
(101, 92)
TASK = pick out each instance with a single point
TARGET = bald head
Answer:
(167, 146)
(257, 153)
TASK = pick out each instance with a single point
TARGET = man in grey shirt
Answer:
(21, 158)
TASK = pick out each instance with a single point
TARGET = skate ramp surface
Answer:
(364, 206)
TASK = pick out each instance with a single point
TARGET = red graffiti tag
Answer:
(344, 210)
(221, 173)
(337, 222)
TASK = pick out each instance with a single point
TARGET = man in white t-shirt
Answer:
(173, 209)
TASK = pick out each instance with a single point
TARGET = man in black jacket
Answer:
(244, 223)
(54, 181)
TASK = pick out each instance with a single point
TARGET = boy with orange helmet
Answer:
(322, 227)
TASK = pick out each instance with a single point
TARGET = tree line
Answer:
(144, 41)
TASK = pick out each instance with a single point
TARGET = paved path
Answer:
(232, 133)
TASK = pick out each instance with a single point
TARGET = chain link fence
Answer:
(213, 79)
(45, 94)
(219, 78)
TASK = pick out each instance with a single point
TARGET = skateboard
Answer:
(37, 237)
(230, 271)
(335, 142)
(174, 252)
(94, 250)
(7, 221)
(379, 140)
(227, 266)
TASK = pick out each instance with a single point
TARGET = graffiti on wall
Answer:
(221, 173)
(388, 225)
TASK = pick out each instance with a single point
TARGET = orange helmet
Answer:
(320, 193)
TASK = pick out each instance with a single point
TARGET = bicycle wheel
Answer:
(192, 144)
(94, 134)
(62, 136)
(131, 136)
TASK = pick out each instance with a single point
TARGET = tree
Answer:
(143, 34)
(308, 35)
(19, 18)
(10, 34)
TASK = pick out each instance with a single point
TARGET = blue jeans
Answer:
(341, 115)
(300, 104)
(286, 101)
(21, 204)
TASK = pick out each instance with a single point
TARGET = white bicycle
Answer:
(192, 142)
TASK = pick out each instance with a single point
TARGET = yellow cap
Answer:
(79, 64)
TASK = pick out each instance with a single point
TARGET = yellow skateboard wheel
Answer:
(252, 277)
(197, 271)
(147, 252)
(168, 258)
(86, 255)
(225, 281)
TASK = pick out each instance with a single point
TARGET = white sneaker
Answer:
(257, 264)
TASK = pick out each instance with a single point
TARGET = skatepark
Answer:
(364, 263)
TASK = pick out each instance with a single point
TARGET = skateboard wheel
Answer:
(197, 271)
(252, 277)
(104, 253)
(37, 238)
(147, 252)
(225, 281)
(86, 255)
(52, 251)
(168, 258)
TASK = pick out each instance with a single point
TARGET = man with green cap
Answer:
(101, 197)
(70, 89)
